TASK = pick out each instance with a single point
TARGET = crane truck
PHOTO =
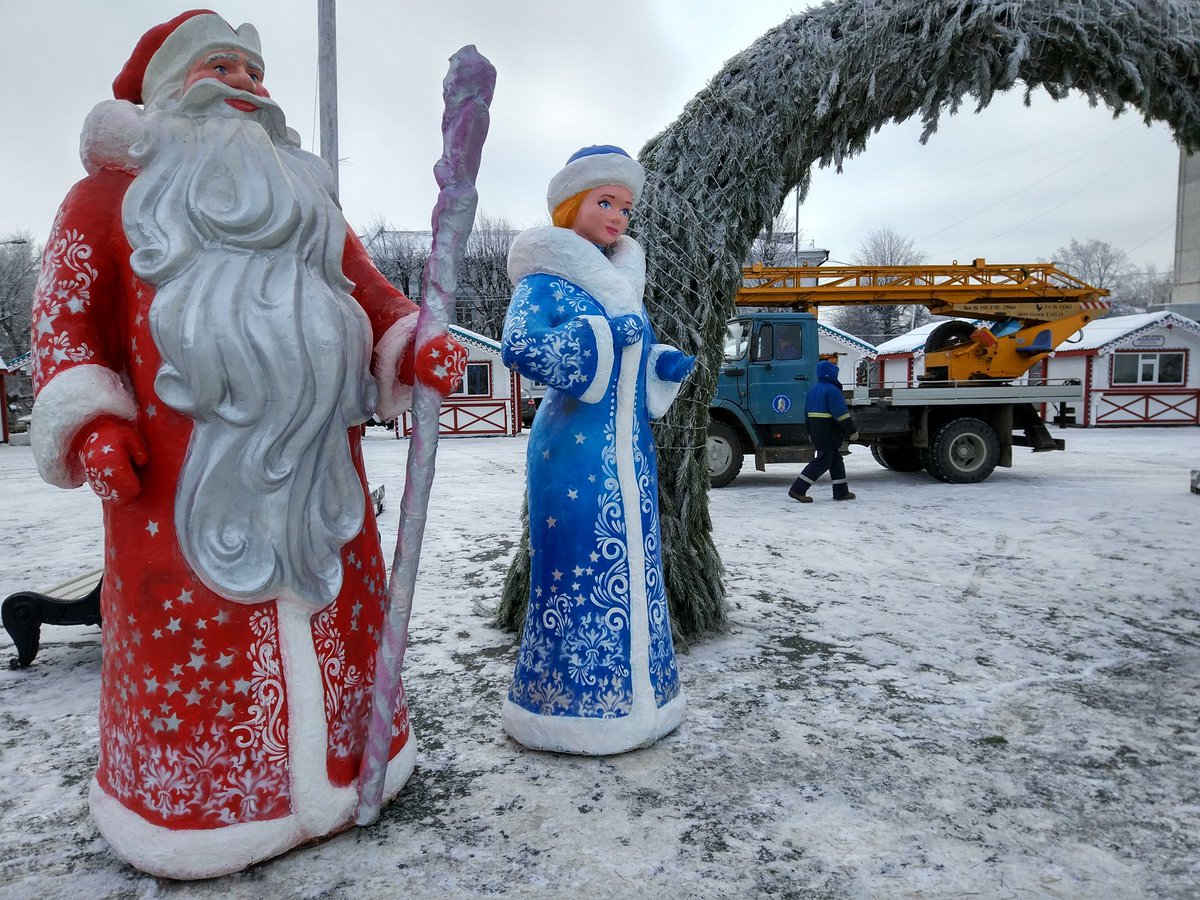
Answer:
(975, 402)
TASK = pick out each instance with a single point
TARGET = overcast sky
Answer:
(1010, 184)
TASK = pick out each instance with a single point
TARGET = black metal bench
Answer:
(74, 602)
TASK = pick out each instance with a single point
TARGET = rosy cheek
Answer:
(261, 91)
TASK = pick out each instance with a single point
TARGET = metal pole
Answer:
(327, 81)
(796, 229)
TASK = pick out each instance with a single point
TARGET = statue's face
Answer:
(604, 215)
(232, 67)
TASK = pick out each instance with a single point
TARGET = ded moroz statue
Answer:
(208, 337)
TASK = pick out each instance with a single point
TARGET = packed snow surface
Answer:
(933, 691)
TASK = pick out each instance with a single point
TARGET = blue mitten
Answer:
(674, 365)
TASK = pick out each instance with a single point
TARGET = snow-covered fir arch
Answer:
(811, 92)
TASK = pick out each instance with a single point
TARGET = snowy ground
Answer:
(935, 691)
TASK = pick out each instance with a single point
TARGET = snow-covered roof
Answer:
(472, 337)
(1108, 334)
(846, 339)
(16, 363)
(913, 341)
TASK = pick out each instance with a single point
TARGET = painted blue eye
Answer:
(604, 204)
(627, 213)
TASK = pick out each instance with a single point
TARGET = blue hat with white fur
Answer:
(591, 167)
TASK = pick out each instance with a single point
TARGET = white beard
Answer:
(262, 346)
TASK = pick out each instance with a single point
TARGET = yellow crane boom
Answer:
(1036, 306)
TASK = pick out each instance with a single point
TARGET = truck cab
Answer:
(770, 361)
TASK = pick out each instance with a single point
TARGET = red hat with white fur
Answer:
(164, 54)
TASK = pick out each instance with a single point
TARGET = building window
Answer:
(1148, 368)
(477, 381)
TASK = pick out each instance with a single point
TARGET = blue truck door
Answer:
(782, 366)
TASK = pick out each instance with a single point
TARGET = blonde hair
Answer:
(565, 213)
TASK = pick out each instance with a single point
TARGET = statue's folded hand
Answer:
(110, 452)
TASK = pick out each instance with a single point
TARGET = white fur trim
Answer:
(589, 172)
(593, 737)
(598, 389)
(316, 803)
(108, 132)
(207, 852)
(660, 394)
(635, 546)
(68, 402)
(191, 39)
(394, 397)
(617, 282)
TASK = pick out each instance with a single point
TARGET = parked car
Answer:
(528, 407)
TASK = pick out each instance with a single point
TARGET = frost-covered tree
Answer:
(1101, 265)
(1144, 288)
(810, 93)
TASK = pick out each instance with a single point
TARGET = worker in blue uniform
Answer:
(829, 424)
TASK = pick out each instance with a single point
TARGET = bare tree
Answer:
(483, 285)
(399, 255)
(876, 324)
(776, 244)
(18, 276)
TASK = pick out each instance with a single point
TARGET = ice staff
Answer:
(467, 91)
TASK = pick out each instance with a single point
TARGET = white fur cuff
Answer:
(660, 394)
(394, 397)
(598, 389)
(68, 402)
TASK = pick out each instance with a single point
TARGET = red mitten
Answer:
(441, 364)
(109, 451)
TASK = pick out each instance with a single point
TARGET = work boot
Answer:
(849, 496)
(799, 495)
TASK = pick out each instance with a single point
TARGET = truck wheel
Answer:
(724, 454)
(897, 458)
(964, 451)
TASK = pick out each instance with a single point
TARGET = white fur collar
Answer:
(617, 282)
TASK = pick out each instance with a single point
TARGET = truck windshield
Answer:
(736, 334)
